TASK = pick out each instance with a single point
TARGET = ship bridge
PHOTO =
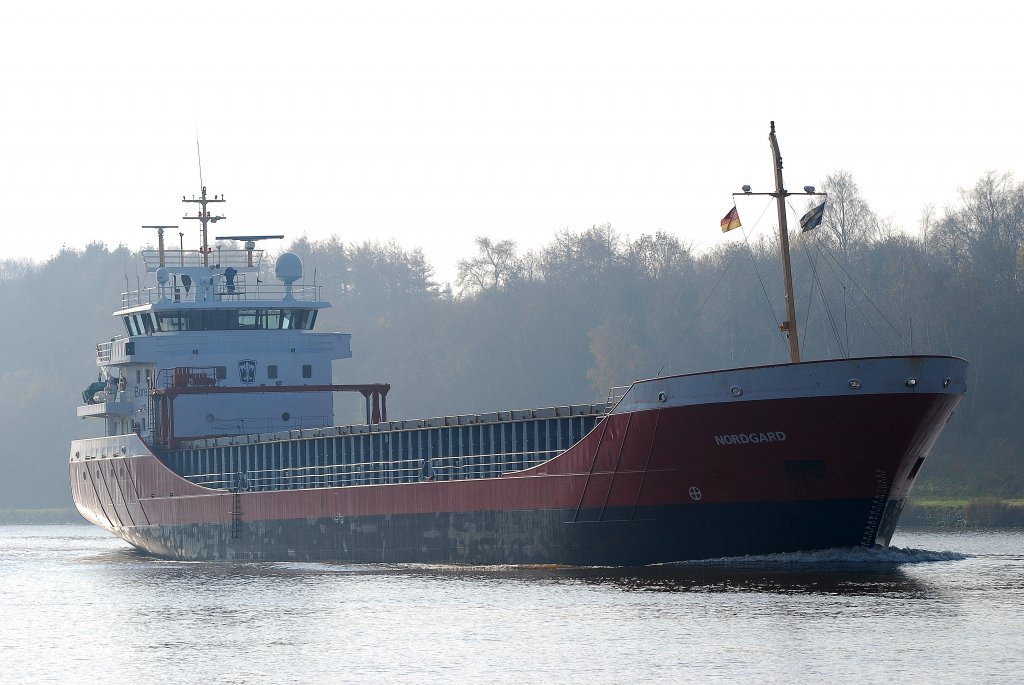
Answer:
(231, 280)
(218, 308)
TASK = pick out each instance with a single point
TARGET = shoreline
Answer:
(41, 517)
(977, 512)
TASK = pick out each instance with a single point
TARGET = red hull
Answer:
(804, 450)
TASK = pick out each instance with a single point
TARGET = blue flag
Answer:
(812, 219)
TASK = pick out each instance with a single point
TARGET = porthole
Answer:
(286, 416)
(662, 397)
(945, 382)
(736, 391)
(854, 384)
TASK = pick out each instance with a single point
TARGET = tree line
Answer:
(589, 310)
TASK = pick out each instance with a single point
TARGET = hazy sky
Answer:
(435, 122)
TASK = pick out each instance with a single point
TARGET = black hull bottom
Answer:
(620, 538)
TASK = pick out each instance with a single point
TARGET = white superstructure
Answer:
(211, 321)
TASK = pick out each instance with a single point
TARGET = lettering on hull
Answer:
(748, 438)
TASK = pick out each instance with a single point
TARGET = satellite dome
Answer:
(288, 268)
(162, 275)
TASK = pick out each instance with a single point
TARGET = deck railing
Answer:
(615, 394)
(192, 258)
(220, 292)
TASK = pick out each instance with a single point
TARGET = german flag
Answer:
(731, 220)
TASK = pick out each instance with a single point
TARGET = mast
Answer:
(160, 239)
(204, 218)
(789, 325)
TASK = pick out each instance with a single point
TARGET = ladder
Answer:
(615, 394)
(236, 514)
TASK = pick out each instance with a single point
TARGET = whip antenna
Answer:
(199, 156)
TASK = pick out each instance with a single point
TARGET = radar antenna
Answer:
(160, 240)
(250, 241)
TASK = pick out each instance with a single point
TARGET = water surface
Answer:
(81, 606)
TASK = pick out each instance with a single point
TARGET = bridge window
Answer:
(212, 320)
(248, 318)
(172, 322)
(224, 320)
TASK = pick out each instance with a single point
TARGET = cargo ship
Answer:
(221, 444)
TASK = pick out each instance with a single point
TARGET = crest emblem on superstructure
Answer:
(247, 371)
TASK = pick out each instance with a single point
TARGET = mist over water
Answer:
(80, 606)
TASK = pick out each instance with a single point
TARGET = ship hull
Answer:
(655, 534)
(747, 461)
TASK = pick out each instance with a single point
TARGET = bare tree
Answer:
(659, 256)
(586, 258)
(848, 220)
(494, 267)
(13, 269)
(985, 235)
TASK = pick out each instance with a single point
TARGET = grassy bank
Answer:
(39, 516)
(965, 513)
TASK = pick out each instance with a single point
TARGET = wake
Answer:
(845, 556)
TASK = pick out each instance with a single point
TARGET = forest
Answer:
(590, 309)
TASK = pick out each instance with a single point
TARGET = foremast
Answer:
(789, 325)
(204, 217)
